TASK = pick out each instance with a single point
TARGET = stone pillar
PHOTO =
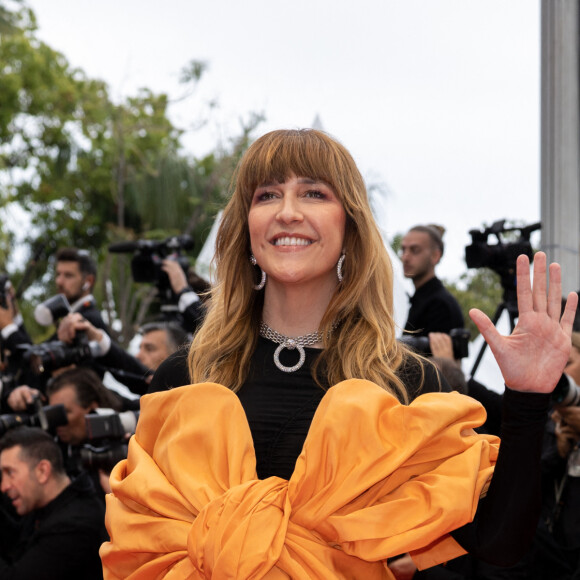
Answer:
(560, 138)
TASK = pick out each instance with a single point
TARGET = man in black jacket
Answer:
(433, 308)
(62, 523)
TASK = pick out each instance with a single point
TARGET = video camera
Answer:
(110, 431)
(149, 255)
(500, 257)
(459, 340)
(47, 418)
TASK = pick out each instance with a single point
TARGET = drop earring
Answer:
(339, 267)
(263, 280)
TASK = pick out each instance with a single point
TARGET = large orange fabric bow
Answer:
(375, 479)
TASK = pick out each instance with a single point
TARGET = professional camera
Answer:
(110, 430)
(459, 341)
(4, 289)
(149, 255)
(567, 392)
(500, 257)
(47, 418)
(48, 356)
(52, 310)
(104, 457)
(107, 424)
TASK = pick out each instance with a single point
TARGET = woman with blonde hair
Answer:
(311, 443)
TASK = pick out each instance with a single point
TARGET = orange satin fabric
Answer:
(375, 479)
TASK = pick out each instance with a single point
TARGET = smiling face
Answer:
(297, 229)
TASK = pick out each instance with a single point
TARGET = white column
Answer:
(560, 138)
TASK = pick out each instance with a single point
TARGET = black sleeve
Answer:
(192, 316)
(172, 372)
(506, 518)
(125, 368)
(491, 401)
(93, 315)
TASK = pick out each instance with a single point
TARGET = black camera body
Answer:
(459, 340)
(47, 418)
(500, 257)
(146, 264)
(48, 356)
(108, 432)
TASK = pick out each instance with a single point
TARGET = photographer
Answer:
(161, 262)
(63, 521)
(107, 355)
(81, 392)
(75, 276)
(159, 340)
(189, 304)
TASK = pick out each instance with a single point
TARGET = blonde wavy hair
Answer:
(363, 345)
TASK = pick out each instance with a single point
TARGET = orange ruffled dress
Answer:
(375, 479)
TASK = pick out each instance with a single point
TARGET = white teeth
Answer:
(288, 241)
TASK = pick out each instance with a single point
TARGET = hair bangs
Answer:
(280, 154)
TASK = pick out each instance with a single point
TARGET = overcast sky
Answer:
(437, 100)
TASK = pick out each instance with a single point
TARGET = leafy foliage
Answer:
(89, 172)
(477, 289)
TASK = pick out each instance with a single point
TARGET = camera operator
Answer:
(189, 304)
(433, 308)
(62, 524)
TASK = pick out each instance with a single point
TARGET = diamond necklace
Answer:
(291, 343)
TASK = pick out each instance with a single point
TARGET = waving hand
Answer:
(533, 357)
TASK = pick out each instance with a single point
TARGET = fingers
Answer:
(440, 344)
(555, 292)
(540, 297)
(485, 326)
(540, 283)
(523, 286)
(569, 313)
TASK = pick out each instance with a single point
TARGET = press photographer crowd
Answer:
(63, 428)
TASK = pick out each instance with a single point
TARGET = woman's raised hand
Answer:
(533, 356)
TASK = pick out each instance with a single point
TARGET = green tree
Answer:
(477, 289)
(89, 171)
